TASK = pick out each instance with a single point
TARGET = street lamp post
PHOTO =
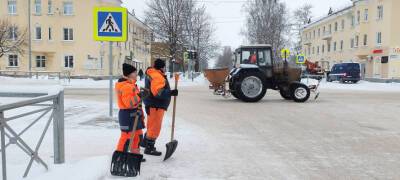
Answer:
(29, 39)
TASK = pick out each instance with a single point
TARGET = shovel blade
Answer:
(171, 147)
(125, 164)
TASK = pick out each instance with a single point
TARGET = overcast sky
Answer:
(228, 15)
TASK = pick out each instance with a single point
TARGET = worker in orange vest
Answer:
(156, 104)
(129, 97)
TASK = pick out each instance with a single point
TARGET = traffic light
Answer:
(194, 55)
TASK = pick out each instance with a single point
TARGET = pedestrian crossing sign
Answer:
(110, 24)
(301, 59)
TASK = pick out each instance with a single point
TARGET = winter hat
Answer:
(128, 69)
(159, 64)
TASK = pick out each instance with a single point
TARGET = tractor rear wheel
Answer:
(250, 87)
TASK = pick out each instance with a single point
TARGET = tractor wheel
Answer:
(250, 87)
(285, 94)
(300, 92)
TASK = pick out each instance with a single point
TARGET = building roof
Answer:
(335, 13)
(139, 21)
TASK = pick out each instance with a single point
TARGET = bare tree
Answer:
(225, 59)
(266, 23)
(200, 34)
(182, 24)
(12, 39)
(301, 17)
(166, 18)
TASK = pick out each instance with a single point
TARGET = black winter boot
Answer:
(150, 149)
(142, 141)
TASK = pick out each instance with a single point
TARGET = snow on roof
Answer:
(336, 12)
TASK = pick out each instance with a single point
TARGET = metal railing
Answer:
(65, 75)
(56, 110)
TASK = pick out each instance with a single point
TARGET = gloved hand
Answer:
(144, 93)
(174, 92)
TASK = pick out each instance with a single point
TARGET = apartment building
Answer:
(62, 40)
(366, 32)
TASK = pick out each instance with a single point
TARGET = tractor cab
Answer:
(260, 55)
(255, 56)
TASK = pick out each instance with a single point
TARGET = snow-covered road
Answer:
(346, 134)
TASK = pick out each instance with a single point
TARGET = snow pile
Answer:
(87, 169)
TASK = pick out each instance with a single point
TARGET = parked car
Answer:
(345, 72)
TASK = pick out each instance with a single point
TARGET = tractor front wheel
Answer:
(300, 92)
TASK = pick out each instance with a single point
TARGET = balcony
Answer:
(327, 36)
(307, 42)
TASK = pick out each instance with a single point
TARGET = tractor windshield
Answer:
(261, 57)
(249, 57)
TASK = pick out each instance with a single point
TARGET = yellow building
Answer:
(366, 32)
(62, 39)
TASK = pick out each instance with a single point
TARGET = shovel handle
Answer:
(174, 108)
(135, 124)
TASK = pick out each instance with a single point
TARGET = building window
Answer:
(50, 34)
(68, 8)
(380, 12)
(343, 23)
(13, 33)
(313, 50)
(319, 32)
(324, 30)
(330, 28)
(41, 61)
(314, 34)
(379, 38)
(38, 33)
(69, 61)
(358, 17)
(68, 34)
(323, 49)
(334, 46)
(365, 43)
(50, 7)
(365, 15)
(341, 45)
(329, 47)
(353, 20)
(12, 7)
(13, 60)
(318, 50)
(38, 7)
(336, 26)
(352, 43)
(357, 40)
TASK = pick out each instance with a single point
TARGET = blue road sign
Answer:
(110, 24)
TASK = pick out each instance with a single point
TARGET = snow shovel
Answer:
(126, 163)
(171, 146)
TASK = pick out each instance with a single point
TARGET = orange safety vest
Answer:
(127, 94)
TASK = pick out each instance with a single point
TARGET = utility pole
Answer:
(30, 38)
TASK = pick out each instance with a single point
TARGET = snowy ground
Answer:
(346, 134)
(360, 86)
